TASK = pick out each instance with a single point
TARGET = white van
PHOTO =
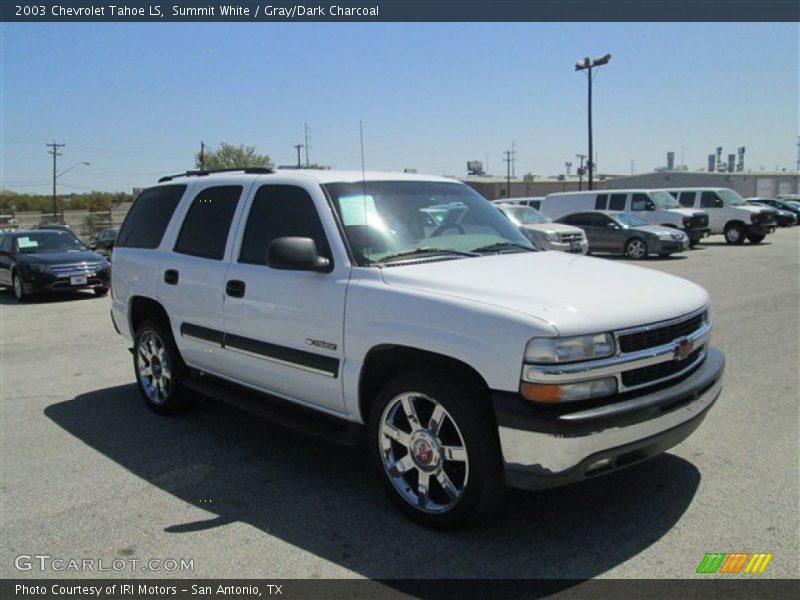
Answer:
(655, 207)
(730, 214)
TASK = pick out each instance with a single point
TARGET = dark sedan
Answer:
(627, 234)
(104, 241)
(782, 206)
(49, 261)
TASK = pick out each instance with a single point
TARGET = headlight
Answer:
(755, 218)
(562, 350)
(569, 392)
(665, 236)
(101, 265)
(551, 236)
(37, 268)
(687, 222)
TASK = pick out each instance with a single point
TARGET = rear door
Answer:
(284, 328)
(192, 275)
(608, 238)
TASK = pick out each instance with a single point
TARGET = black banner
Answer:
(401, 10)
(703, 587)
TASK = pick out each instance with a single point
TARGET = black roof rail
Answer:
(246, 170)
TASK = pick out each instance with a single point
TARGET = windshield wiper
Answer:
(500, 246)
(424, 251)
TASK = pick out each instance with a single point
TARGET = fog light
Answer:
(603, 462)
(569, 392)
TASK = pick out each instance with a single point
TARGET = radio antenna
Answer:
(364, 185)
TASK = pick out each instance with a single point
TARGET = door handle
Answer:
(171, 277)
(235, 288)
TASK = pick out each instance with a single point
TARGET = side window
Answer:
(618, 201)
(686, 199)
(205, 229)
(6, 243)
(710, 200)
(599, 221)
(639, 202)
(674, 195)
(280, 211)
(601, 202)
(149, 216)
(579, 220)
(535, 204)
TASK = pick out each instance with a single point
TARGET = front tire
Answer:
(435, 448)
(636, 248)
(756, 239)
(100, 291)
(734, 234)
(158, 366)
(19, 288)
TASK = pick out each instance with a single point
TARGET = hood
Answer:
(655, 229)
(56, 258)
(575, 294)
(762, 210)
(557, 227)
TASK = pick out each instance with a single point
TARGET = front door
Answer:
(283, 328)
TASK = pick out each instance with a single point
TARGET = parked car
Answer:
(104, 241)
(783, 216)
(462, 358)
(543, 232)
(652, 206)
(779, 204)
(533, 201)
(627, 234)
(49, 261)
(729, 214)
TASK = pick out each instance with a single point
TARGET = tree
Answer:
(228, 156)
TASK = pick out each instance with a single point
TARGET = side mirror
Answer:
(296, 254)
(613, 226)
(650, 205)
(93, 246)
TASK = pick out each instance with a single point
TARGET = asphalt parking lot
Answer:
(87, 471)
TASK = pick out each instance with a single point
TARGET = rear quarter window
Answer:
(149, 216)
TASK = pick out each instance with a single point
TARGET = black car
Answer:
(104, 241)
(779, 205)
(50, 260)
(625, 233)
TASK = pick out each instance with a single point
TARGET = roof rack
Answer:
(247, 170)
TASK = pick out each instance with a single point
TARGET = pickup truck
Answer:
(363, 308)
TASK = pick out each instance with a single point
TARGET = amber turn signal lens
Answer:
(541, 392)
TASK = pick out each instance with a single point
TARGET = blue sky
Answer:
(135, 100)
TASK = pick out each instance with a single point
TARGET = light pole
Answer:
(77, 164)
(587, 65)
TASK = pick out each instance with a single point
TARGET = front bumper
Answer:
(659, 246)
(695, 235)
(36, 282)
(760, 229)
(581, 247)
(547, 446)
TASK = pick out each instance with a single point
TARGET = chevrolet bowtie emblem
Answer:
(683, 348)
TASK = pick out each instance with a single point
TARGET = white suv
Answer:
(543, 232)
(406, 313)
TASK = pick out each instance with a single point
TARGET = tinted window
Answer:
(205, 228)
(601, 202)
(149, 216)
(618, 201)
(6, 242)
(280, 211)
(599, 220)
(579, 220)
(639, 202)
(710, 200)
(686, 199)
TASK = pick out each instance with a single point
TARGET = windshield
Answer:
(732, 198)
(385, 220)
(664, 200)
(44, 241)
(631, 220)
(525, 215)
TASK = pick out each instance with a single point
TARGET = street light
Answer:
(77, 164)
(587, 65)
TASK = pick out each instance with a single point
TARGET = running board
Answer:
(277, 410)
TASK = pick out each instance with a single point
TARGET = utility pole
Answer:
(307, 130)
(587, 64)
(582, 157)
(202, 156)
(797, 167)
(508, 160)
(513, 160)
(54, 151)
(298, 147)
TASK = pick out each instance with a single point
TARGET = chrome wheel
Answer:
(19, 292)
(152, 365)
(423, 452)
(636, 249)
(733, 235)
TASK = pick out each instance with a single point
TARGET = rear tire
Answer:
(159, 368)
(434, 446)
(734, 234)
(636, 248)
(756, 239)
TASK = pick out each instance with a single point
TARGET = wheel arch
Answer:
(141, 308)
(385, 361)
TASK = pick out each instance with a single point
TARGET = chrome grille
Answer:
(699, 221)
(655, 335)
(80, 268)
(570, 237)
